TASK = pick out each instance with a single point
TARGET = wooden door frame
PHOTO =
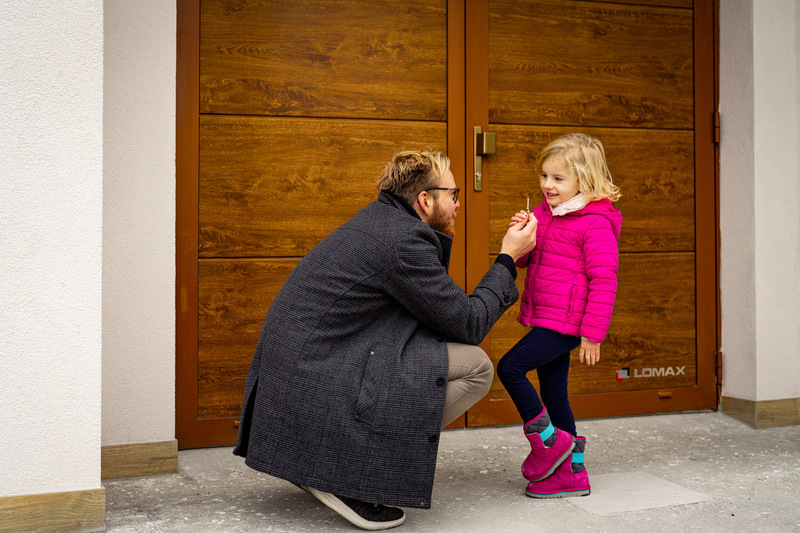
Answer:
(190, 430)
(704, 395)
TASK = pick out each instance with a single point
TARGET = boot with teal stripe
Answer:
(569, 479)
(549, 447)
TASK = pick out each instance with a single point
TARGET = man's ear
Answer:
(425, 203)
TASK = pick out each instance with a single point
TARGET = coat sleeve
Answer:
(601, 256)
(421, 284)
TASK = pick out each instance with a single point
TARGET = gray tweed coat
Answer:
(346, 389)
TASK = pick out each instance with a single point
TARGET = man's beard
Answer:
(441, 221)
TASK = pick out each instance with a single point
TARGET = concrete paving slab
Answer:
(752, 479)
(633, 491)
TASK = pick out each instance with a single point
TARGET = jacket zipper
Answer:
(539, 257)
(539, 245)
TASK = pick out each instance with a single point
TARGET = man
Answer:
(369, 349)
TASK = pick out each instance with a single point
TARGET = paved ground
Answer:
(641, 468)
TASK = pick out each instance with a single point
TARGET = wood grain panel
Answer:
(687, 4)
(778, 413)
(235, 296)
(138, 459)
(55, 512)
(325, 58)
(763, 414)
(653, 327)
(654, 170)
(590, 63)
(744, 410)
(277, 186)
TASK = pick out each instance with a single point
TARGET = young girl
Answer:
(570, 287)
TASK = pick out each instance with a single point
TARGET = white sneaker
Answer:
(369, 516)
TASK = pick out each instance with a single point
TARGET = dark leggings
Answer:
(548, 352)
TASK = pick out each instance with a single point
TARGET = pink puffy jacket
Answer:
(572, 272)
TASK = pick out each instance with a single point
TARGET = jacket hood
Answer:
(602, 207)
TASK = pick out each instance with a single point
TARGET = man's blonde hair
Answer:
(586, 159)
(411, 172)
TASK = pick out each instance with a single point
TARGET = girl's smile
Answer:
(558, 182)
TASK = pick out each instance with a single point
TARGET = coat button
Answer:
(440, 381)
(433, 438)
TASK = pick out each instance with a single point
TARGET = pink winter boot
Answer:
(549, 447)
(569, 479)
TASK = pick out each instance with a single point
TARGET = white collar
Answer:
(576, 203)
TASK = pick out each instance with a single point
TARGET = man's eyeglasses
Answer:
(453, 190)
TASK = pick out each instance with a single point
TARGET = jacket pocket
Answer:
(571, 301)
(371, 387)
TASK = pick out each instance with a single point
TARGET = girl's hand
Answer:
(520, 238)
(522, 216)
(589, 351)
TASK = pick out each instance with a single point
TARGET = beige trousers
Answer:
(469, 377)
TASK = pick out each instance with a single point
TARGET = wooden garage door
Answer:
(288, 110)
(640, 78)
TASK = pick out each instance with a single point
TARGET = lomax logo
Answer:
(625, 373)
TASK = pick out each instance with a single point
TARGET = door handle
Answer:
(482, 144)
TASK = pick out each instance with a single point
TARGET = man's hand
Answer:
(521, 236)
(589, 351)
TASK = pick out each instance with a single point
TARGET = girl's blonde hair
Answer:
(586, 159)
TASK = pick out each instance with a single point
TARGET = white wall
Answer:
(737, 190)
(776, 178)
(51, 142)
(139, 222)
(760, 199)
(57, 246)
